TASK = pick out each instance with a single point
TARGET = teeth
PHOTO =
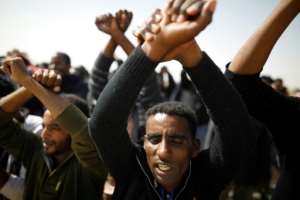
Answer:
(47, 143)
(164, 167)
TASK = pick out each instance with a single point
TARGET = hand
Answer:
(184, 53)
(123, 18)
(181, 10)
(107, 24)
(172, 34)
(49, 79)
(151, 28)
(15, 68)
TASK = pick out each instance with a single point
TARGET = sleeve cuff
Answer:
(72, 120)
(104, 62)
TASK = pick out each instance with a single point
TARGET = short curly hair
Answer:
(177, 109)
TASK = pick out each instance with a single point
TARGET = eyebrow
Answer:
(177, 136)
(54, 125)
(170, 135)
(153, 134)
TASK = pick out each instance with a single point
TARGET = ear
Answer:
(196, 147)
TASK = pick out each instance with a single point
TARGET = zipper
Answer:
(185, 184)
(147, 177)
(186, 181)
(58, 167)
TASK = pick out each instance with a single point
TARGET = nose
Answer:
(164, 150)
(45, 133)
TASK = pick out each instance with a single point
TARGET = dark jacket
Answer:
(281, 115)
(78, 177)
(148, 96)
(73, 84)
(230, 156)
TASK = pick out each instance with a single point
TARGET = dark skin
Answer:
(58, 64)
(169, 147)
(56, 141)
(168, 142)
(160, 36)
(115, 26)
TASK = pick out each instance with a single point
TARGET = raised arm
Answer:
(16, 69)
(15, 100)
(10, 103)
(280, 114)
(14, 139)
(68, 116)
(235, 140)
(123, 19)
(232, 151)
(115, 26)
(109, 120)
(100, 70)
(252, 56)
(103, 23)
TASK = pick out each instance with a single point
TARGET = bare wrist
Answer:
(191, 57)
(152, 51)
(26, 81)
(117, 36)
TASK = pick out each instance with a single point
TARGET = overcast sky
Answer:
(41, 27)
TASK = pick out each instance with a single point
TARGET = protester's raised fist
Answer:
(106, 23)
(49, 79)
(15, 68)
(149, 28)
(123, 18)
(169, 34)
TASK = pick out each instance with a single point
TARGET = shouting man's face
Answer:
(56, 141)
(169, 148)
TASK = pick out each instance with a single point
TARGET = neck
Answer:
(169, 189)
(61, 157)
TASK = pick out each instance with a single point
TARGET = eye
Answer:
(177, 140)
(153, 139)
(53, 128)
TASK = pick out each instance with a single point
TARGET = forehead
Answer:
(47, 118)
(161, 122)
(56, 58)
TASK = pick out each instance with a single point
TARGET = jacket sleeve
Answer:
(99, 77)
(18, 141)
(233, 146)
(76, 124)
(148, 96)
(109, 120)
(280, 114)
